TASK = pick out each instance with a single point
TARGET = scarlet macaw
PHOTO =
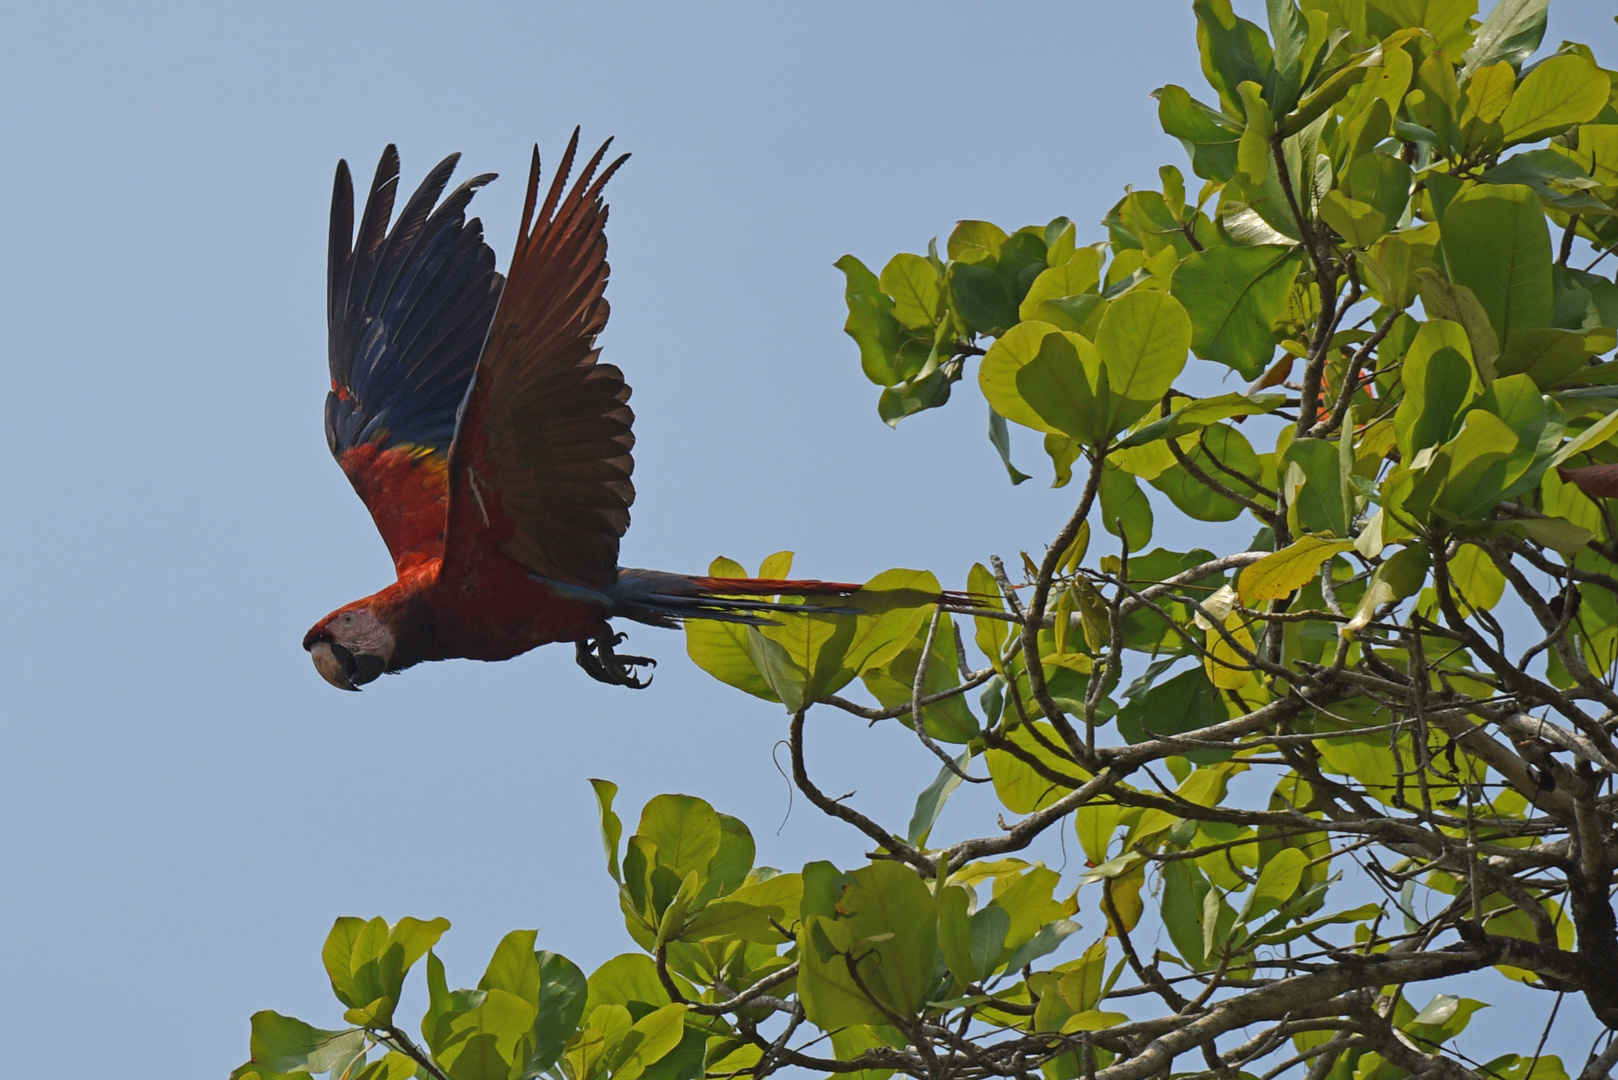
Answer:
(473, 418)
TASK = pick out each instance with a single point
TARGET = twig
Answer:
(834, 808)
(401, 1042)
(918, 721)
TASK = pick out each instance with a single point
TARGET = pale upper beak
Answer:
(342, 668)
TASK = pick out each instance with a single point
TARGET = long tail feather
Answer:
(663, 599)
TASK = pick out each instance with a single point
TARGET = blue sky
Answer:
(184, 805)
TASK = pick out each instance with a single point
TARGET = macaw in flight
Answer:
(492, 448)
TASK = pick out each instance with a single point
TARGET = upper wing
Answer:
(541, 460)
(407, 313)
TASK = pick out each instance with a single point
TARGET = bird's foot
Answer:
(601, 663)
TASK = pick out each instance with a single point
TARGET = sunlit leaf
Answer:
(1560, 92)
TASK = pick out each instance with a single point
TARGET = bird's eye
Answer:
(348, 618)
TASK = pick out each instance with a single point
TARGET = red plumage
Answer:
(490, 445)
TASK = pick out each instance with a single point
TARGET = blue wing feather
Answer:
(408, 309)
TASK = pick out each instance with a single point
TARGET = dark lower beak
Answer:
(342, 668)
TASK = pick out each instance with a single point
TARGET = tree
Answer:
(1402, 687)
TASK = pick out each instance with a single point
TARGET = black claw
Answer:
(601, 663)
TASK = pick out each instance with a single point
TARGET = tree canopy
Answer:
(1370, 750)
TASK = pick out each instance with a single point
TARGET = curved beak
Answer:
(340, 667)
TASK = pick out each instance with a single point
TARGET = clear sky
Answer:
(184, 805)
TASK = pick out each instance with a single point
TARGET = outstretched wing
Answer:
(541, 460)
(407, 313)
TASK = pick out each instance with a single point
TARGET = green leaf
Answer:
(889, 931)
(1382, 182)
(1558, 534)
(548, 982)
(1437, 381)
(1392, 264)
(871, 322)
(1029, 899)
(1297, 930)
(284, 1044)
(722, 649)
(1234, 295)
(392, 1066)
(1123, 500)
(1496, 243)
(1537, 424)
(612, 828)
(1142, 343)
(1400, 576)
(1277, 881)
(1476, 473)
(930, 803)
(1314, 487)
(892, 607)
(1209, 137)
(971, 944)
(1558, 93)
(1185, 893)
(975, 241)
(1547, 355)
(729, 867)
(367, 962)
(1345, 77)
(1045, 941)
(1511, 33)
(1019, 786)
(894, 683)
(1596, 153)
(726, 920)
(1295, 50)
(1184, 703)
(997, 373)
(1230, 448)
(651, 1038)
(1443, 299)
(913, 283)
(514, 967)
(1094, 1020)
(1199, 414)
(805, 657)
(562, 991)
(772, 891)
(1057, 385)
(990, 634)
(1359, 224)
(1284, 572)
(1081, 274)
(1233, 50)
(491, 1041)
(1000, 438)
(1560, 180)
(980, 298)
(1592, 436)
(1080, 982)
(685, 830)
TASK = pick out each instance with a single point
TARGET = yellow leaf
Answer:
(1286, 571)
(1123, 894)
(1225, 666)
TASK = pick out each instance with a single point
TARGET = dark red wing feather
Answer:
(408, 309)
(541, 462)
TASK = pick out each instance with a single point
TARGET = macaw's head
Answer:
(350, 647)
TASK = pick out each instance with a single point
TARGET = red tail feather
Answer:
(773, 587)
(783, 587)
